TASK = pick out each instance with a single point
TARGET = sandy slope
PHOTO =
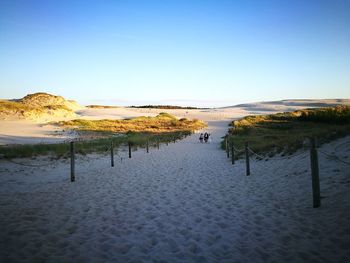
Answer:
(27, 132)
(182, 203)
(287, 105)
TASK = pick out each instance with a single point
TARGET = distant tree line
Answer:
(169, 107)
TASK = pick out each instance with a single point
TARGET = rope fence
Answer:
(28, 165)
(109, 148)
(334, 157)
(232, 151)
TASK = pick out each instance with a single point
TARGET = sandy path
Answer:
(182, 203)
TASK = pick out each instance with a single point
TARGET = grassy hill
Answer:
(36, 106)
(287, 132)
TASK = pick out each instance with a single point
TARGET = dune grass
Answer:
(287, 132)
(61, 150)
(6, 105)
(14, 108)
(164, 122)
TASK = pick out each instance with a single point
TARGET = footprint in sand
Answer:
(173, 246)
(212, 239)
(198, 220)
(185, 233)
(194, 248)
(122, 248)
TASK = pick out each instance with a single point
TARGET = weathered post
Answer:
(315, 174)
(72, 162)
(158, 144)
(232, 153)
(247, 159)
(112, 154)
(147, 146)
(129, 143)
(227, 148)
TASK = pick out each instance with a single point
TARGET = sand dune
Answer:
(290, 105)
(38, 107)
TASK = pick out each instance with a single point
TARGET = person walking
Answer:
(201, 137)
(206, 137)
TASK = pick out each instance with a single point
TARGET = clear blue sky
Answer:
(179, 52)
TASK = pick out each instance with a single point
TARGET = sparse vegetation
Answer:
(61, 150)
(286, 132)
(12, 106)
(164, 122)
(18, 109)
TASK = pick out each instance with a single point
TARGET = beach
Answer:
(185, 202)
(175, 131)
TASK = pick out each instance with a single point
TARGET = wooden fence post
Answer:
(315, 174)
(147, 147)
(129, 143)
(247, 159)
(227, 148)
(112, 154)
(232, 153)
(158, 144)
(72, 162)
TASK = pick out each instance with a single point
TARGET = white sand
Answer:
(28, 132)
(182, 203)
